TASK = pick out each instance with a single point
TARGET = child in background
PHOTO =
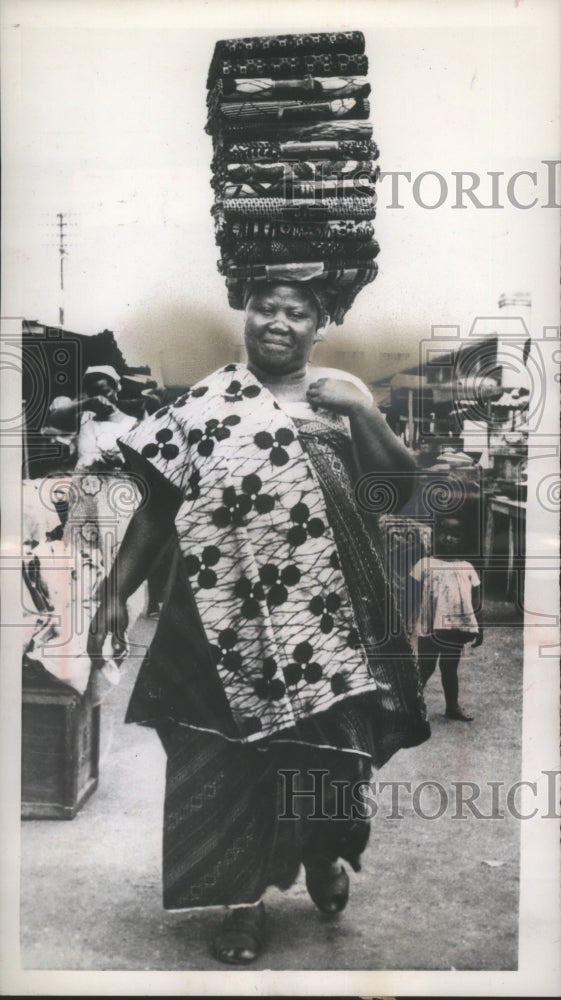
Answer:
(449, 592)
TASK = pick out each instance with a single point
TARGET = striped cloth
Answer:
(223, 842)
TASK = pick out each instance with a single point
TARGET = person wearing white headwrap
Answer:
(102, 421)
(99, 499)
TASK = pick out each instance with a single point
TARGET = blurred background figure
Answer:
(101, 419)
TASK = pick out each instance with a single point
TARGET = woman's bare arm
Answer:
(148, 532)
(377, 447)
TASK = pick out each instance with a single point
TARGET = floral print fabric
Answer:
(259, 552)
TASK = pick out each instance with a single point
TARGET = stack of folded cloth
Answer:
(294, 163)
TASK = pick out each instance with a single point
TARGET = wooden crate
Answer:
(60, 749)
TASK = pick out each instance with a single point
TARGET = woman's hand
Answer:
(111, 619)
(377, 449)
(337, 395)
(99, 405)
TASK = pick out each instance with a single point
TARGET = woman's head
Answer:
(281, 325)
(101, 380)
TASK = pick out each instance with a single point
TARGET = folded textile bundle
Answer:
(285, 131)
(305, 249)
(299, 170)
(330, 188)
(299, 208)
(304, 110)
(338, 42)
(267, 88)
(346, 273)
(334, 231)
(293, 166)
(266, 150)
(360, 175)
(287, 67)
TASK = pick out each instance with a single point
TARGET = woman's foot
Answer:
(328, 886)
(455, 712)
(241, 935)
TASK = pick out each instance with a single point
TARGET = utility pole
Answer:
(63, 252)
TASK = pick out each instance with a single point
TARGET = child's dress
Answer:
(446, 596)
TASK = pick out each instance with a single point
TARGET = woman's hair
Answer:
(317, 296)
(89, 381)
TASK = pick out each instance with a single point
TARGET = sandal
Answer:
(328, 886)
(241, 935)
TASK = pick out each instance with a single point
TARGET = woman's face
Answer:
(101, 386)
(280, 329)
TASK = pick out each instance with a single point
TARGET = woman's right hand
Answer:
(111, 619)
(99, 405)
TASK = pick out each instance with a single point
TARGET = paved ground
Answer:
(434, 894)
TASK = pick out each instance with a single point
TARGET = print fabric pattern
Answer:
(333, 231)
(266, 150)
(254, 251)
(301, 189)
(300, 170)
(286, 132)
(293, 146)
(258, 550)
(267, 88)
(222, 841)
(286, 67)
(304, 110)
(300, 208)
(339, 42)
